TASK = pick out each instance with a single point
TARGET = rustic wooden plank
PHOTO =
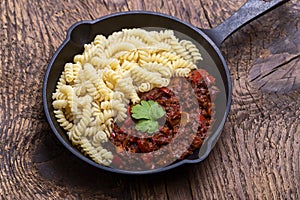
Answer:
(257, 156)
(264, 118)
(278, 69)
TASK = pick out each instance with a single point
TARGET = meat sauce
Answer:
(189, 112)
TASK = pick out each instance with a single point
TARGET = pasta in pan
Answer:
(96, 90)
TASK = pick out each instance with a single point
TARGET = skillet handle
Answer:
(251, 10)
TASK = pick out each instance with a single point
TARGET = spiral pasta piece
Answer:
(60, 116)
(182, 72)
(181, 63)
(116, 48)
(178, 48)
(99, 155)
(165, 71)
(99, 137)
(90, 50)
(194, 54)
(145, 87)
(59, 104)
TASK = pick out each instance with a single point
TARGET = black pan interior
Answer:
(85, 31)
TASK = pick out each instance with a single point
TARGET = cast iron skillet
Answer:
(84, 32)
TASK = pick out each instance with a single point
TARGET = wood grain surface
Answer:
(256, 157)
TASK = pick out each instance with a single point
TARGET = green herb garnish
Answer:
(147, 113)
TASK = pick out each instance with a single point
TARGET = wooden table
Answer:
(256, 157)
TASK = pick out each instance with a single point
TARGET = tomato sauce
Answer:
(189, 113)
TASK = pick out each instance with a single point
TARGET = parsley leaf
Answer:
(148, 126)
(141, 111)
(156, 111)
(147, 112)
